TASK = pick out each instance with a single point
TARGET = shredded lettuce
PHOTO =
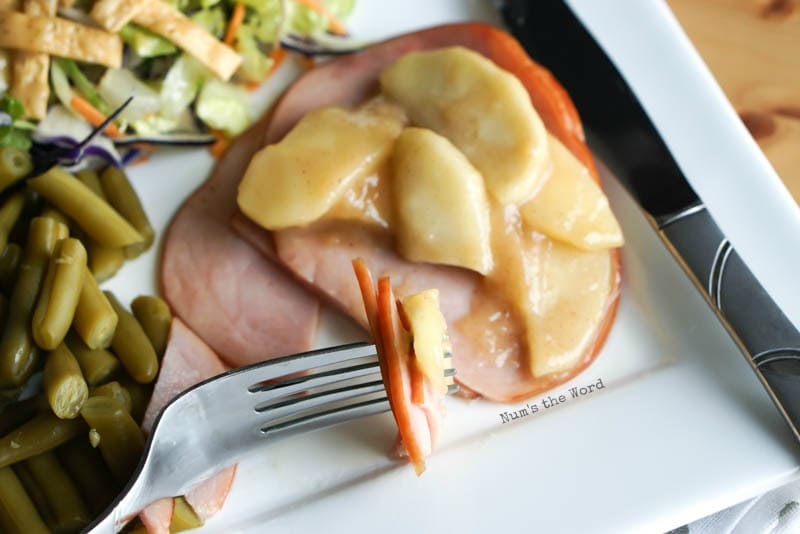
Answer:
(223, 106)
(213, 20)
(265, 22)
(303, 20)
(15, 131)
(145, 43)
(181, 85)
(255, 63)
(154, 124)
(82, 84)
(117, 85)
(60, 83)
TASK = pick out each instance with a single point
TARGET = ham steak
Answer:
(245, 307)
(490, 356)
(187, 361)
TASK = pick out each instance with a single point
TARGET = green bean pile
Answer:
(70, 441)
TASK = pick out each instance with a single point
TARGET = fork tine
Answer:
(326, 418)
(295, 385)
(300, 405)
(253, 378)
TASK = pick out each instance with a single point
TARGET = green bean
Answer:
(140, 397)
(132, 346)
(85, 466)
(115, 391)
(53, 213)
(91, 179)
(9, 396)
(121, 440)
(60, 293)
(3, 309)
(91, 213)
(123, 198)
(9, 214)
(18, 514)
(183, 517)
(18, 352)
(97, 365)
(41, 434)
(14, 164)
(63, 498)
(16, 414)
(35, 493)
(104, 262)
(155, 317)
(63, 383)
(9, 261)
(95, 318)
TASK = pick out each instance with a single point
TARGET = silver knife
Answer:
(621, 133)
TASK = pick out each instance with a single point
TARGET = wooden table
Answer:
(753, 49)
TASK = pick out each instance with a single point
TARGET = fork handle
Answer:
(768, 339)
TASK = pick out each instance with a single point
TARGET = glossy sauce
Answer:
(538, 308)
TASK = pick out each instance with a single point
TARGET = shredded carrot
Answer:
(308, 62)
(417, 382)
(251, 86)
(148, 147)
(334, 24)
(278, 55)
(141, 158)
(387, 319)
(404, 320)
(92, 115)
(369, 297)
(234, 24)
(220, 146)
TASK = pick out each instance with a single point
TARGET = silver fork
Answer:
(217, 422)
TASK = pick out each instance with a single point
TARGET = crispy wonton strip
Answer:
(165, 20)
(29, 70)
(9, 5)
(60, 37)
(5, 72)
(114, 14)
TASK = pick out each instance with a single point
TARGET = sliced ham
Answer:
(244, 306)
(490, 357)
(187, 361)
(206, 499)
(157, 517)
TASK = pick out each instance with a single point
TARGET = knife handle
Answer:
(769, 341)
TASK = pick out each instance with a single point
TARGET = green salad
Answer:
(187, 64)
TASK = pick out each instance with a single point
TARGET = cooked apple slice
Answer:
(296, 181)
(485, 111)
(570, 298)
(560, 292)
(428, 336)
(441, 209)
(571, 207)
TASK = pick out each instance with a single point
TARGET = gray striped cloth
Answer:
(776, 512)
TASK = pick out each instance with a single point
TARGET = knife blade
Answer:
(623, 136)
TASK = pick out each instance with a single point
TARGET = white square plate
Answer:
(680, 429)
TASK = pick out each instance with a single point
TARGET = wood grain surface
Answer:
(753, 49)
